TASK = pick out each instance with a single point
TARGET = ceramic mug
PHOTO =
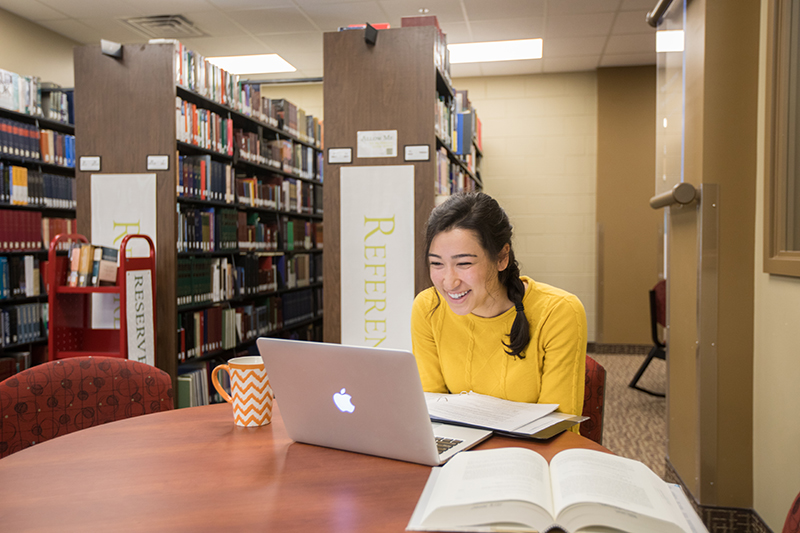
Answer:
(251, 395)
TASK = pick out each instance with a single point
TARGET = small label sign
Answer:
(419, 152)
(89, 163)
(340, 155)
(157, 162)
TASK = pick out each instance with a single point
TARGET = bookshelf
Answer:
(37, 200)
(401, 83)
(236, 215)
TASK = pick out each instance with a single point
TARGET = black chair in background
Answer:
(658, 308)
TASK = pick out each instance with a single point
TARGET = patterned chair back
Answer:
(792, 524)
(593, 400)
(67, 395)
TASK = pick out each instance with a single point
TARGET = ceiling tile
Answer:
(308, 42)
(579, 25)
(456, 32)
(506, 29)
(633, 5)
(330, 17)
(634, 43)
(570, 64)
(580, 7)
(275, 20)
(226, 46)
(73, 29)
(168, 7)
(250, 4)
(33, 10)
(89, 8)
(113, 29)
(465, 70)
(627, 60)
(443, 10)
(512, 68)
(631, 22)
(490, 10)
(214, 23)
(576, 46)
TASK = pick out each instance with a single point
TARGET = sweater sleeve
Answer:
(423, 344)
(563, 340)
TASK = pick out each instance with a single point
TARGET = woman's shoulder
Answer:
(426, 299)
(539, 291)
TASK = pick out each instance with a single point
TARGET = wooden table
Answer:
(193, 470)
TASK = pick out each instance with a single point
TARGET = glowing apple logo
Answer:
(342, 401)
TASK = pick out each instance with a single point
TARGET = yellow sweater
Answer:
(466, 353)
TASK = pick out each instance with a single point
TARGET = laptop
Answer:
(360, 399)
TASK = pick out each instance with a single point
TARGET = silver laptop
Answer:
(366, 400)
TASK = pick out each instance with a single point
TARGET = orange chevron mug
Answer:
(251, 395)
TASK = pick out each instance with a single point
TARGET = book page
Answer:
(485, 411)
(491, 486)
(580, 476)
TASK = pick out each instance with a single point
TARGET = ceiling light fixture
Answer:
(495, 51)
(669, 41)
(252, 64)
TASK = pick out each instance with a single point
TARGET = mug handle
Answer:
(215, 381)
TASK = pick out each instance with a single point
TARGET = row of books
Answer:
(20, 277)
(26, 186)
(277, 192)
(20, 93)
(28, 141)
(52, 226)
(193, 388)
(203, 178)
(196, 73)
(207, 229)
(92, 265)
(215, 279)
(20, 231)
(299, 234)
(203, 128)
(258, 233)
(23, 323)
(450, 176)
(14, 362)
(224, 328)
(301, 305)
(57, 104)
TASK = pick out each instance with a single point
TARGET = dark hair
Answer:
(481, 214)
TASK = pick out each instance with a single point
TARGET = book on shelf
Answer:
(22, 323)
(85, 265)
(104, 266)
(516, 419)
(514, 489)
(74, 261)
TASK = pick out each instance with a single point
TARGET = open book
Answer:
(517, 419)
(514, 489)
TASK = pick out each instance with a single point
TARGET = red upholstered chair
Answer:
(593, 399)
(63, 396)
(792, 524)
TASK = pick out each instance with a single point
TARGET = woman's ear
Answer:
(502, 263)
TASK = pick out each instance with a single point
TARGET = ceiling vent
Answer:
(165, 26)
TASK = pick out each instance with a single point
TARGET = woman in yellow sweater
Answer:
(484, 328)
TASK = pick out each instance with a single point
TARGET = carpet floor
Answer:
(634, 423)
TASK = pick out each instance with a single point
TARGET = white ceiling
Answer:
(578, 34)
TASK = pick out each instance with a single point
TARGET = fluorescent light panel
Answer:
(669, 41)
(253, 64)
(495, 51)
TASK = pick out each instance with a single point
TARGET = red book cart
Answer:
(70, 308)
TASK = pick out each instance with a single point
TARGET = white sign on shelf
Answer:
(139, 316)
(417, 152)
(377, 255)
(340, 155)
(382, 143)
(89, 163)
(157, 162)
(121, 204)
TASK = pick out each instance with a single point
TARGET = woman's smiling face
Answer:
(465, 276)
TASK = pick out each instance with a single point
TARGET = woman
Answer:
(484, 328)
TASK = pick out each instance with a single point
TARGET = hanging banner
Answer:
(139, 316)
(377, 255)
(121, 204)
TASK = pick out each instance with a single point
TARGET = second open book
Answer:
(514, 489)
